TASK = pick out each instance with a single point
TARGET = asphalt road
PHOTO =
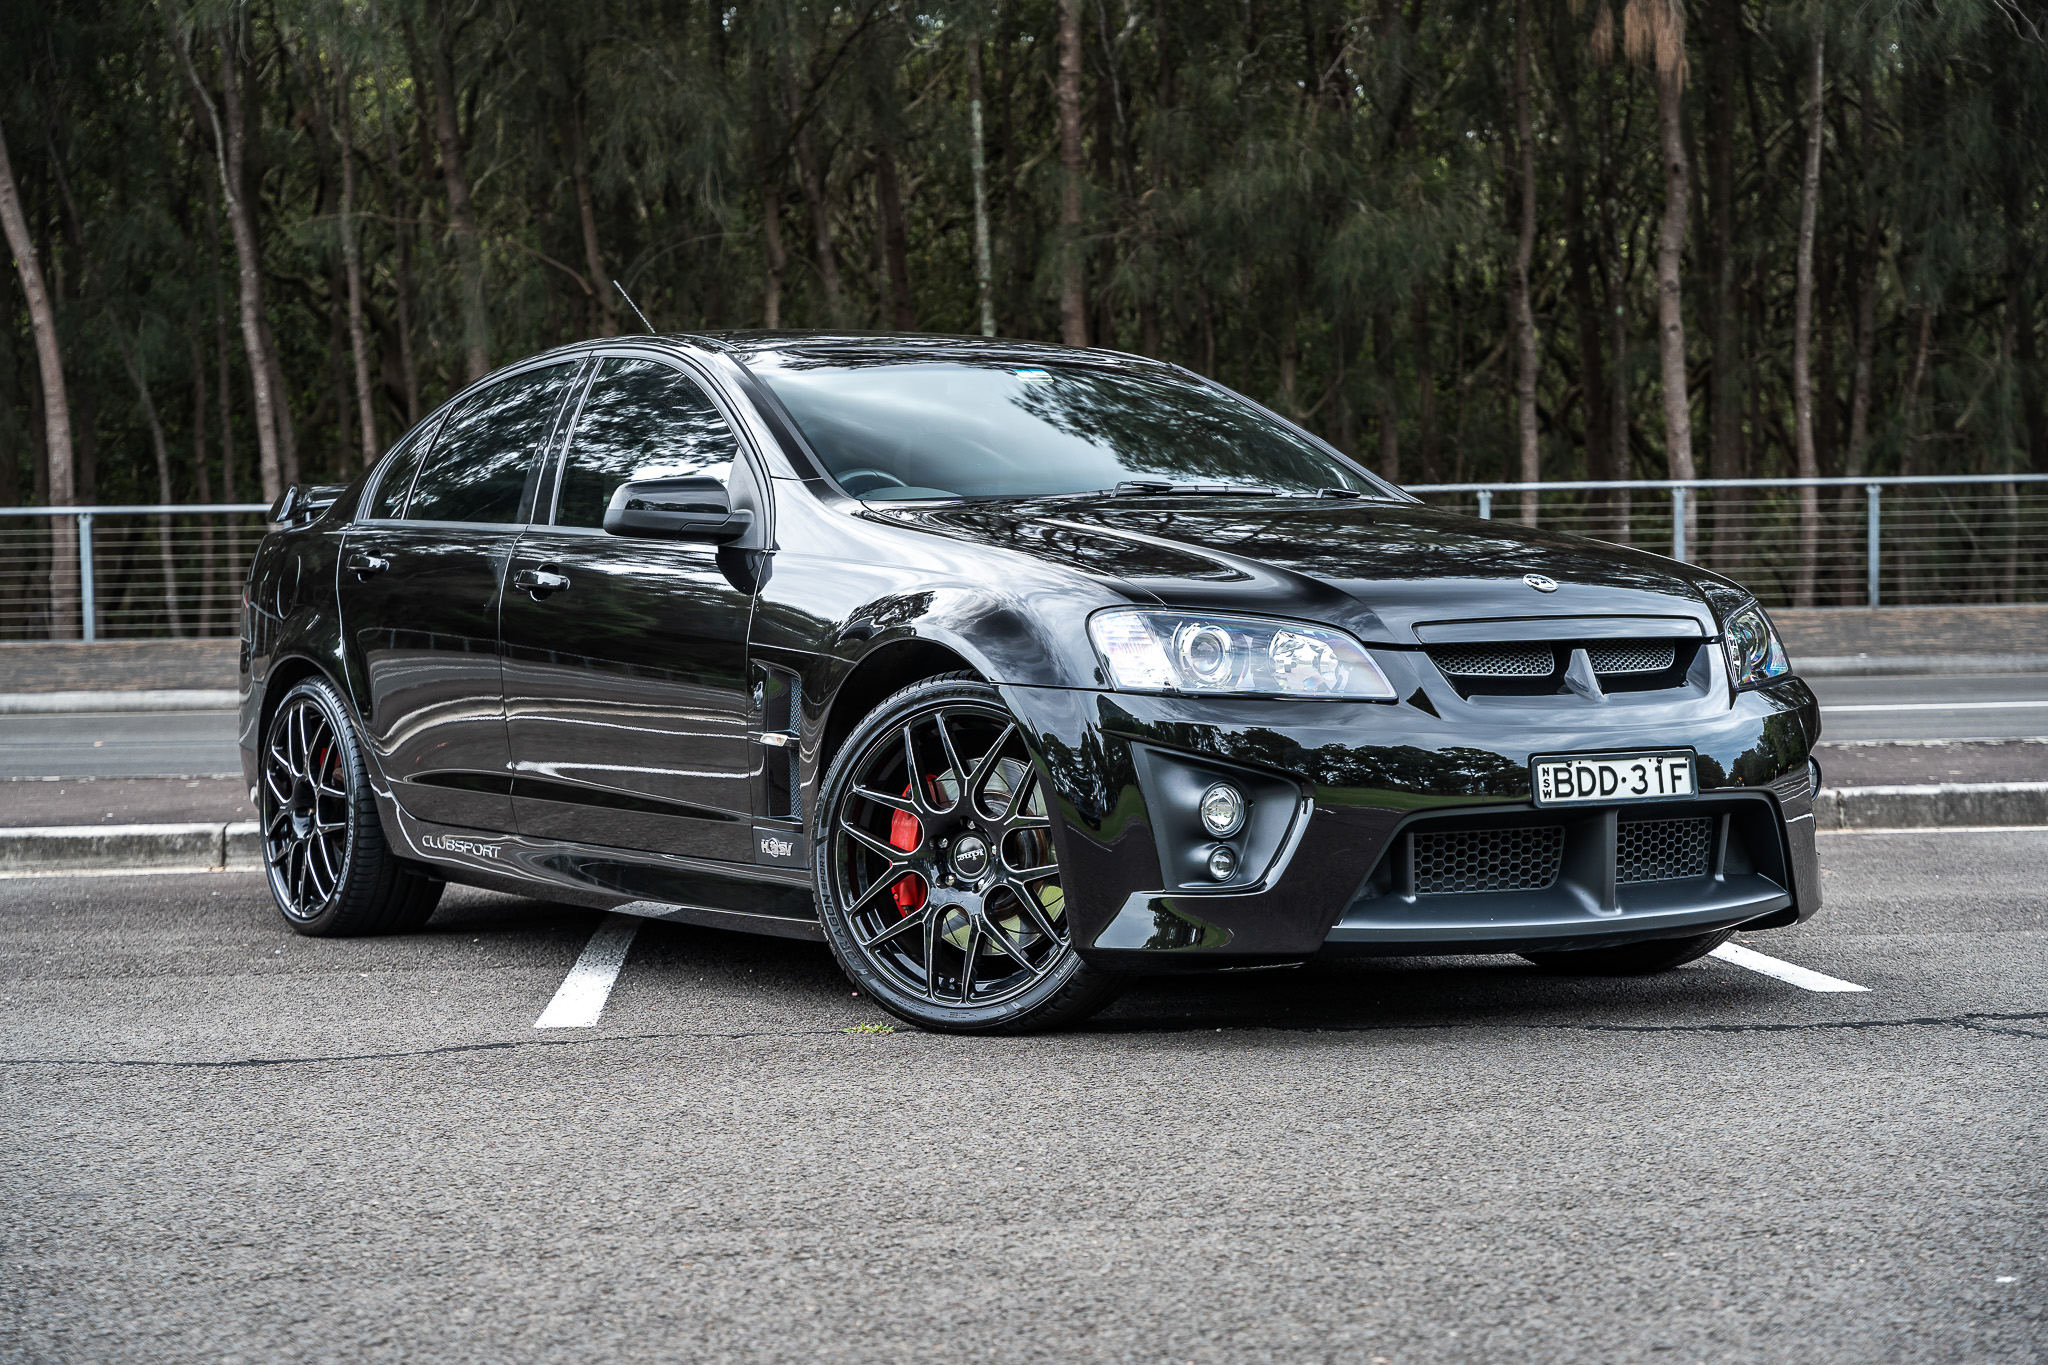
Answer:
(229, 1143)
(196, 743)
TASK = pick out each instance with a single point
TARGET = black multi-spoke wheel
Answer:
(330, 870)
(937, 878)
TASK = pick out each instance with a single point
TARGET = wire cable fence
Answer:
(1900, 541)
(125, 572)
(138, 572)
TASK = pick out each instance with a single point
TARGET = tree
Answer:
(64, 604)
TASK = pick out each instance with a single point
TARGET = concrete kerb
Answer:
(237, 845)
(232, 845)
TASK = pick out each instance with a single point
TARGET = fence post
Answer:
(1678, 523)
(1486, 504)
(86, 610)
(1871, 561)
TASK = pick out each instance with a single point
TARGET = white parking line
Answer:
(589, 984)
(1837, 709)
(1802, 977)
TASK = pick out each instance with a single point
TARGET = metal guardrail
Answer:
(146, 570)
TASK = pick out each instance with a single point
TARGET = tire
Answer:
(324, 853)
(1632, 959)
(938, 885)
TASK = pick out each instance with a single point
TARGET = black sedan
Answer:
(1006, 670)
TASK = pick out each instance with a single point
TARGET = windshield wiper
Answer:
(1133, 488)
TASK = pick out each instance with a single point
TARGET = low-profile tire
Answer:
(330, 869)
(1632, 959)
(938, 885)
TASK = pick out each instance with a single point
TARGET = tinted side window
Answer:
(394, 475)
(481, 459)
(642, 420)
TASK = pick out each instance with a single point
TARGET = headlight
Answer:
(1754, 654)
(1210, 653)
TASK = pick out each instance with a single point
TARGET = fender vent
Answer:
(1663, 850)
(1452, 862)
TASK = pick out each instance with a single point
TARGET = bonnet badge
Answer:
(1540, 582)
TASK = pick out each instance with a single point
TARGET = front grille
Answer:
(1496, 661)
(1631, 657)
(1663, 850)
(1466, 860)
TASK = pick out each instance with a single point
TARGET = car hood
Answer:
(1379, 569)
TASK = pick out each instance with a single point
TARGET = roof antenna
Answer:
(635, 307)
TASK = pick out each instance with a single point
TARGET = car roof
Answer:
(885, 348)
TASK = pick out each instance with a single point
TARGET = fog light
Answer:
(1222, 810)
(1222, 862)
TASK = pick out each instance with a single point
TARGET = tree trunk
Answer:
(1421, 345)
(1387, 412)
(1581, 260)
(1518, 278)
(202, 484)
(1620, 462)
(984, 270)
(231, 155)
(287, 434)
(812, 181)
(586, 213)
(402, 234)
(1670, 285)
(1073, 299)
(64, 617)
(895, 236)
(352, 254)
(476, 326)
(166, 559)
(1724, 384)
(1802, 343)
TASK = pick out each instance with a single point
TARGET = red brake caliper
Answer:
(904, 834)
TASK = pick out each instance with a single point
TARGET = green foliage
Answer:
(1269, 187)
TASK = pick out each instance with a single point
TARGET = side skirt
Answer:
(758, 900)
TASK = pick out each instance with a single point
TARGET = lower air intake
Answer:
(1663, 850)
(1470, 860)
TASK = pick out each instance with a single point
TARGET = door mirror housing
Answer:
(693, 508)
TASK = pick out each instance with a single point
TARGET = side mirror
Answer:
(693, 508)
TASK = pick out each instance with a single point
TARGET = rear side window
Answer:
(642, 420)
(395, 471)
(484, 455)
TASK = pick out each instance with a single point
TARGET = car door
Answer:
(627, 694)
(420, 583)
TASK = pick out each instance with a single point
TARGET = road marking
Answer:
(1827, 708)
(589, 984)
(1938, 829)
(1802, 977)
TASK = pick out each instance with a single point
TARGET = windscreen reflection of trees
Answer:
(477, 472)
(942, 429)
(643, 420)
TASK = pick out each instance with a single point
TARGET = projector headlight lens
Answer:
(1755, 655)
(1222, 863)
(1212, 653)
(1222, 810)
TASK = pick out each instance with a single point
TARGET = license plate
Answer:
(1602, 778)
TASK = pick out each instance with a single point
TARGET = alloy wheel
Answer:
(942, 857)
(305, 808)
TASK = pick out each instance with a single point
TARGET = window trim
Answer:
(697, 373)
(424, 431)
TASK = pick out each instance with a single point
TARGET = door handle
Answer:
(539, 582)
(362, 565)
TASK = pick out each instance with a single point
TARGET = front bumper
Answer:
(1340, 791)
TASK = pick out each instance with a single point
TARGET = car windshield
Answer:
(984, 430)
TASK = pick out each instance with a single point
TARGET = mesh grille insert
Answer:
(1663, 850)
(1466, 860)
(1631, 656)
(1496, 661)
